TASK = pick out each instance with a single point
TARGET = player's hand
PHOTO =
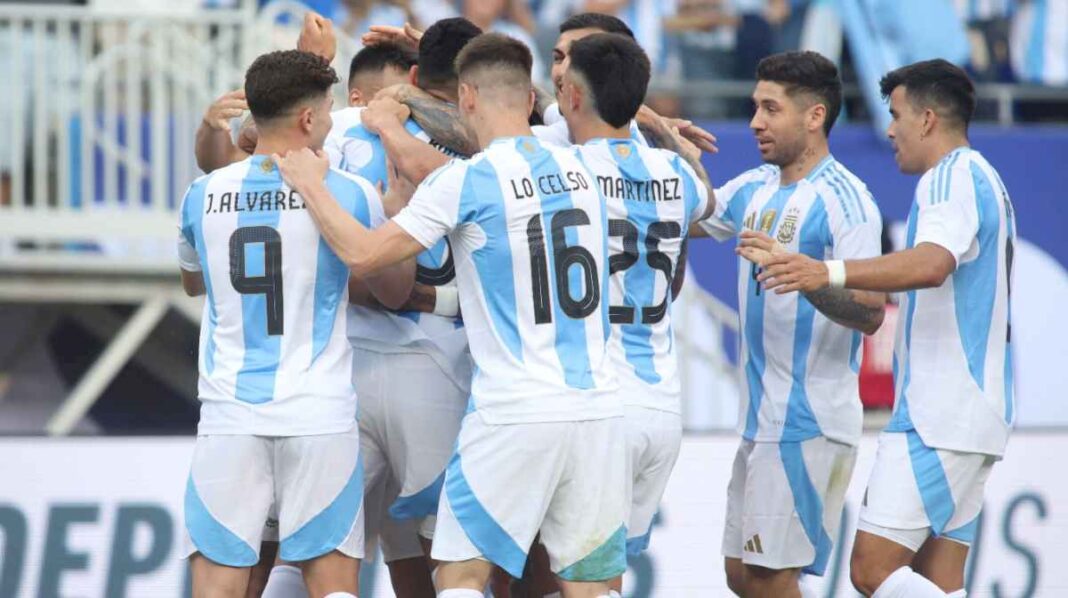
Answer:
(399, 191)
(758, 247)
(699, 137)
(229, 105)
(248, 136)
(382, 113)
(302, 168)
(789, 272)
(317, 36)
(686, 147)
(406, 36)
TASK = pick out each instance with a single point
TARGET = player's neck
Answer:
(809, 159)
(583, 130)
(277, 144)
(502, 125)
(941, 146)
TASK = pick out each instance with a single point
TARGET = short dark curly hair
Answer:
(278, 81)
(806, 73)
(936, 84)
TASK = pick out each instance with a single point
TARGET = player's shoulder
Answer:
(763, 174)
(345, 119)
(844, 195)
(952, 174)
(344, 178)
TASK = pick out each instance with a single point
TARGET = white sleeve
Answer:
(552, 114)
(731, 201)
(188, 259)
(947, 213)
(860, 237)
(694, 187)
(434, 210)
(555, 134)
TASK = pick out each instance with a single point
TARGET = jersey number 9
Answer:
(270, 283)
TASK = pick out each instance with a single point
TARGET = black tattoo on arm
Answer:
(842, 306)
(659, 136)
(441, 121)
(422, 299)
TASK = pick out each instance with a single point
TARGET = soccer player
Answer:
(952, 359)
(371, 69)
(652, 197)
(441, 122)
(540, 447)
(274, 363)
(801, 418)
(413, 368)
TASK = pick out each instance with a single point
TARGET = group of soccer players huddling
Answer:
(499, 297)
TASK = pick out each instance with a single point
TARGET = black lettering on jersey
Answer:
(211, 200)
(293, 201)
(225, 201)
(525, 189)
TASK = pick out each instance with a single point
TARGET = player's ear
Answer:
(817, 116)
(413, 75)
(531, 102)
(467, 98)
(930, 118)
(355, 97)
(304, 119)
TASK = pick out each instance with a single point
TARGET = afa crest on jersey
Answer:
(788, 227)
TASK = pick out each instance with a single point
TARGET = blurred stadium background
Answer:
(99, 101)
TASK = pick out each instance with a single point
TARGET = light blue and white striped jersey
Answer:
(556, 131)
(952, 358)
(528, 234)
(354, 149)
(1039, 42)
(652, 196)
(800, 367)
(274, 360)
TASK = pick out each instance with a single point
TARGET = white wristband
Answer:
(836, 273)
(446, 301)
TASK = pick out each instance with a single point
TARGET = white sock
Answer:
(285, 581)
(961, 593)
(338, 595)
(905, 583)
(459, 593)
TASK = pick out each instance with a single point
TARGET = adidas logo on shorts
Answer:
(753, 545)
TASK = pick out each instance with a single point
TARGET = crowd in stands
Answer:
(999, 40)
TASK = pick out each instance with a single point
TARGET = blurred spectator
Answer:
(645, 18)
(987, 23)
(788, 19)
(1039, 42)
(355, 17)
(705, 30)
(510, 17)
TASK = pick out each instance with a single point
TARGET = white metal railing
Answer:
(97, 126)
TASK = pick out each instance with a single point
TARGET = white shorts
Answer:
(916, 491)
(784, 502)
(312, 484)
(653, 441)
(506, 483)
(409, 417)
